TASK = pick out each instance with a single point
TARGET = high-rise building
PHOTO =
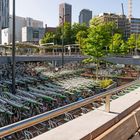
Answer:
(4, 15)
(65, 13)
(85, 16)
(20, 23)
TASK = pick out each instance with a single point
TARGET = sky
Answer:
(48, 10)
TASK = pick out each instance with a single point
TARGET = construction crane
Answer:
(129, 9)
(122, 9)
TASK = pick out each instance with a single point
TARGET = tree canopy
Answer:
(97, 40)
(133, 42)
(68, 32)
(117, 45)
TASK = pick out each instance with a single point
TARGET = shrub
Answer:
(105, 83)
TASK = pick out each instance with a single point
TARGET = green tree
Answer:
(133, 42)
(98, 38)
(67, 32)
(76, 28)
(110, 26)
(58, 35)
(117, 45)
(48, 38)
(138, 41)
(80, 37)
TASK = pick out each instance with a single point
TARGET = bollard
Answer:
(107, 104)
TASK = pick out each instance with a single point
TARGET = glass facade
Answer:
(85, 16)
(4, 14)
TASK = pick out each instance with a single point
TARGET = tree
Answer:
(58, 35)
(111, 26)
(80, 36)
(98, 38)
(76, 28)
(48, 38)
(67, 32)
(133, 42)
(117, 45)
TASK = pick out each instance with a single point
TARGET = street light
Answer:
(13, 52)
(62, 39)
(62, 17)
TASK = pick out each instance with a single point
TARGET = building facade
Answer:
(20, 23)
(134, 25)
(50, 29)
(85, 16)
(65, 13)
(33, 23)
(4, 15)
(32, 34)
(120, 20)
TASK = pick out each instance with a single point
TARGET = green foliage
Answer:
(133, 42)
(48, 38)
(58, 35)
(81, 36)
(118, 45)
(110, 26)
(76, 28)
(138, 41)
(88, 60)
(105, 83)
(98, 37)
(95, 22)
(68, 32)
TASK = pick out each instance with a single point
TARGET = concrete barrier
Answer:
(137, 115)
(121, 131)
(124, 129)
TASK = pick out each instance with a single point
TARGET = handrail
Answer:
(18, 126)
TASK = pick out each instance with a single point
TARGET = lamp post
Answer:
(62, 17)
(13, 52)
(62, 39)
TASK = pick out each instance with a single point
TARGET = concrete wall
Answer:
(124, 129)
(56, 60)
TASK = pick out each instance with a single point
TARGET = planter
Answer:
(113, 85)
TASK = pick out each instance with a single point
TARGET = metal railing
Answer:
(13, 128)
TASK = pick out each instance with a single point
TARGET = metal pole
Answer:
(136, 49)
(13, 52)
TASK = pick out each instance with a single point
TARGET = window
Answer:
(35, 34)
